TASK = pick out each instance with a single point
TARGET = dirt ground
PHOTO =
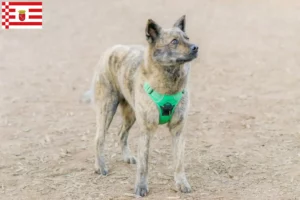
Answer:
(243, 139)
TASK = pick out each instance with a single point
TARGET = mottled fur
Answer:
(119, 81)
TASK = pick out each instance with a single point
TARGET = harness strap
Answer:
(165, 103)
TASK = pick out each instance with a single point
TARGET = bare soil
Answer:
(243, 138)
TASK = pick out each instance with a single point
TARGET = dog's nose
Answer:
(194, 48)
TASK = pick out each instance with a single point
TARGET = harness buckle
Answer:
(167, 109)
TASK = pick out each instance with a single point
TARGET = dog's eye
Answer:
(174, 42)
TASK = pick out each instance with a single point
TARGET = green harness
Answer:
(166, 104)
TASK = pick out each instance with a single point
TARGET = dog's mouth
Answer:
(189, 58)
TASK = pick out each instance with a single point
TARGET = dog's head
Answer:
(170, 46)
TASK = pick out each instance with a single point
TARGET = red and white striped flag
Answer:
(22, 15)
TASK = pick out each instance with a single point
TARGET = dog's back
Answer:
(118, 67)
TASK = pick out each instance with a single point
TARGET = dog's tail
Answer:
(87, 96)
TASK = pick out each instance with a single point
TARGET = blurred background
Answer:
(243, 137)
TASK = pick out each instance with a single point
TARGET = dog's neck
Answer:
(166, 79)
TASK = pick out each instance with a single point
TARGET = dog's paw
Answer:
(130, 160)
(100, 166)
(184, 187)
(141, 190)
(103, 171)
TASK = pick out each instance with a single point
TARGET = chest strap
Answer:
(165, 103)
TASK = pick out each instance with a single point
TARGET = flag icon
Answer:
(22, 15)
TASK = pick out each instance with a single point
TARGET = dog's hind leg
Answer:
(128, 120)
(106, 102)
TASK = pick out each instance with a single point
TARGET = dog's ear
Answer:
(152, 31)
(180, 23)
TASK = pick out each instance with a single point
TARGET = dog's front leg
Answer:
(147, 118)
(177, 128)
(178, 145)
(141, 185)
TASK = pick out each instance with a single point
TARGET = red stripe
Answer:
(35, 16)
(35, 10)
(3, 3)
(25, 23)
(25, 3)
(3, 23)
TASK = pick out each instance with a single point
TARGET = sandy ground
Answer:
(243, 139)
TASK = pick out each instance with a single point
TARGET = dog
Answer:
(137, 78)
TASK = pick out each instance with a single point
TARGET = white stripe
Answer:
(27, 13)
(24, 7)
(17, 14)
(26, 20)
(24, 27)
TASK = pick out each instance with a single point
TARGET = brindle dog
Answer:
(119, 80)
